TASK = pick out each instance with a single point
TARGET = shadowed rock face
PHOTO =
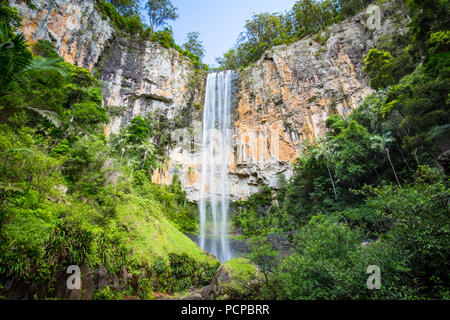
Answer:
(281, 101)
(146, 78)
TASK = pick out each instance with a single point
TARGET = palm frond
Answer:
(46, 64)
(49, 115)
(438, 132)
(17, 150)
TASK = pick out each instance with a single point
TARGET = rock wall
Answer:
(285, 97)
(77, 29)
(282, 100)
(91, 280)
(146, 77)
(142, 76)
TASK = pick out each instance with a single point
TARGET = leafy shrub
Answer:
(327, 265)
(132, 25)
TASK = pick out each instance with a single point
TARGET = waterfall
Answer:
(215, 185)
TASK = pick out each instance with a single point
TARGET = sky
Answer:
(219, 21)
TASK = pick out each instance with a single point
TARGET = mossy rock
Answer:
(237, 279)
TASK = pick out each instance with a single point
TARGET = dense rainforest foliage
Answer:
(374, 191)
(67, 196)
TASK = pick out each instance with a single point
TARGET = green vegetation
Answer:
(241, 280)
(159, 12)
(306, 18)
(194, 44)
(374, 191)
(126, 18)
(126, 7)
(130, 23)
(68, 196)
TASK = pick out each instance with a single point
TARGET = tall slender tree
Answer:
(381, 143)
(160, 12)
(194, 44)
(324, 150)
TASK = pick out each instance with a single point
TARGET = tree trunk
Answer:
(378, 175)
(145, 158)
(392, 166)
(404, 159)
(332, 181)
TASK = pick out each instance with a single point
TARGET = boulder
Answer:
(237, 279)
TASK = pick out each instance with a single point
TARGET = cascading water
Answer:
(215, 185)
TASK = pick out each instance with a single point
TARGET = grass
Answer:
(152, 235)
(241, 269)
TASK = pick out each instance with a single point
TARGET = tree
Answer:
(126, 8)
(22, 163)
(414, 254)
(148, 149)
(159, 12)
(138, 130)
(381, 143)
(309, 16)
(354, 160)
(264, 28)
(11, 15)
(194, 45)
(378, 65)
(328, 263)
(265, 257)
(427, 17)
(189, 172)
(231, 60)
(350, 7)
(324, 151)
(16, 60)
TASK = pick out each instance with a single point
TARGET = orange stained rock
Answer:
(193, 178)
(29, 28)
(107, 131)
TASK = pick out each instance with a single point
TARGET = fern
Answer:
(48, 115)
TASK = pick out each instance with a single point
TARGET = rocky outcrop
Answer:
(237, 279)
(77, 29)
(145, 77)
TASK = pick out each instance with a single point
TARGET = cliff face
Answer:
(285, 98)
(75, 27)
(146, 77)
(141, 76)
(282, 100)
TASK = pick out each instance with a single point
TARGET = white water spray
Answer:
(215, 185)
